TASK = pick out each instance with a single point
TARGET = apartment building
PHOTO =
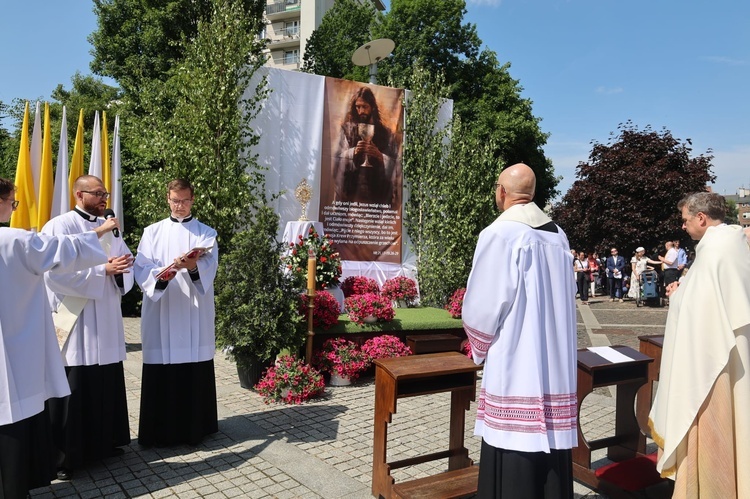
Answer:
(289, 23)
(743, 205)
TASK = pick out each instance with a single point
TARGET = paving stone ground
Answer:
(323, 448)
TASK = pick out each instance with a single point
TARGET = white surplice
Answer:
(31, 368)
(177, 323)
(98, 337)
(519, 315)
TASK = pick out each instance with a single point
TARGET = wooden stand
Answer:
(422, 375)
(433, 343)
(650, 345)
(595, 371)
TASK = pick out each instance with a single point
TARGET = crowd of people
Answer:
(619, 278)
(62, 338)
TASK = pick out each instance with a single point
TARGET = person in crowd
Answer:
(699, 417)
(638, 264)
(574, 253)
(671, 271)
(92, 422)
(583, 276)
(682, 256)
(615, 269)
(32, 369)
(593, 262)
(368, 154)
(523, 328)
(178, 394)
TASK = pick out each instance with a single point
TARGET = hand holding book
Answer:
(185, 261)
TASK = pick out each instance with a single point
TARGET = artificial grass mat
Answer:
(406, 319)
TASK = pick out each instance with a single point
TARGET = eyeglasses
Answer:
(14, 204)
(180, 202)
(99, 194)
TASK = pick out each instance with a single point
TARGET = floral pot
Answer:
(250, 371)
(337, 380)
(370, 319)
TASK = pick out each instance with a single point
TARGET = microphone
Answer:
(110, 213)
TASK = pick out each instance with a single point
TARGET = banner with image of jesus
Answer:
(361, 184)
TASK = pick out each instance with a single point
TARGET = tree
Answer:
(6, 146)
(138, 42)
(344, 28)
(207, 139)
(87, 92)
(430, 32)
(626, 194)
(490, 99)
(733, 212)
(433, 35)
(449, 175)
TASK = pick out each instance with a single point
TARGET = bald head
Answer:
(517, 186)
(85, 182)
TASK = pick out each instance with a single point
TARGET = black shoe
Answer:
(64, 474)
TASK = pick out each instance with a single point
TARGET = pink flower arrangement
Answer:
(341, 356)
(290, 381)
(384, 347)
(456, 303)
(359, 285)
(400, 288)
(466, 348)
(326, 309)
(360, 306)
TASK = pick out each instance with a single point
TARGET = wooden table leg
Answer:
(460, 401)
(385, 407)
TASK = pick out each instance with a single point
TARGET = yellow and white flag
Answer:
(116, 196)
(44, 202)
(95, 164)
(106, 172)
(76, 164)
(61, 196)
(26, 211)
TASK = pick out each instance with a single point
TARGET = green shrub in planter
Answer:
(256, 302)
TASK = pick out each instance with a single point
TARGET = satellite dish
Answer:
(373, 52)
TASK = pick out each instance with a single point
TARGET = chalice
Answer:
(366, 132)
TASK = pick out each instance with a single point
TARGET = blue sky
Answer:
(587, 65)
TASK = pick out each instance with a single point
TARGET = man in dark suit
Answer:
(615, 271)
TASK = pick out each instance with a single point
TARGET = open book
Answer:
(190, 254)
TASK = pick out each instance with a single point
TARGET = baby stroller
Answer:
(649, 294)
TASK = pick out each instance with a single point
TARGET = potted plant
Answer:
(290, 381)
(384, 347)
(325, 309)
(369, 308)
(256, 302)
(456, 303)
(401, 290)
(342, 358)
(328, 265)
(359, 285)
